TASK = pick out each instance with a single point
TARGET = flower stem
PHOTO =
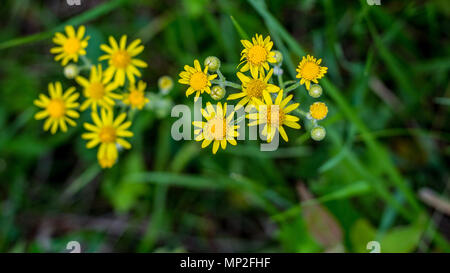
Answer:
(86, 63)
(226, 83)
(293, 87)
(301, 113)
(280, 80)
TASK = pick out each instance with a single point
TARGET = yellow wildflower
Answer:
(257, 54)
(121, 61)
(98, 90)
(108, 132)
(318, 110)
(59, 108)
(253, 88)
(199, 81)
(309, 70)
(274, 115)
(70, 47)
(136, 96)
(218, 127)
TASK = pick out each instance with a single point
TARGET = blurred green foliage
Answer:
(387, 133)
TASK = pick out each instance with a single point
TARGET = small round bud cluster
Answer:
(217, 92)
(213, 63)
(71, 71)
(315, 91)
(278, 57)
(318, 133)
(165, 84)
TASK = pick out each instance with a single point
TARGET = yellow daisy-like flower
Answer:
(107, 132)
(318, 110)
(253, 88)
(257, 54)
(104, 161)
(199, 81)
(70, 47)
(59, 108)
(98, 90)
(274, 115)
(309, 70)
(121, 61)
(218, 127)
(136, 97)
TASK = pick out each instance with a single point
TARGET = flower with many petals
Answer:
(136, 96)
(121, 60)
(108, 132)
(273, 115)
(257, 54)
(98, 90)
(198, 80)
(70, 46)
(218, 128)
(253, 88)
(309, 70)
(59, 108)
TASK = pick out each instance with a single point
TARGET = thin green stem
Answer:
(221, 76)
(301, 113)
(227, 83)
(293, 87)
(86, 61)
(280, 80)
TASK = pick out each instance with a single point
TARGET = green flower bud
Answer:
(318, 133)
(315, 91)
(213, 63)
(217, 92)
(278, 57)
(165, 84)
(71, 71)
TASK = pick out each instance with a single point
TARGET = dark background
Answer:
(380, 174)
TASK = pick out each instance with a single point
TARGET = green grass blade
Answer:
(80, 19)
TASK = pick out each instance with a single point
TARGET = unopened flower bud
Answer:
(318, 133)
(213, 63)
(315, 91)
(217, 92)
(165, 84)
(278, 57)
(71, 71)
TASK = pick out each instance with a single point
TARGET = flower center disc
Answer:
(96, 90)
(198, 81)
(255, 88)
(310, 71)
(120, 59)
(136, 98)
(274, 115)
(56, 108)
(72, 46)
(107, 134)
(257, 54)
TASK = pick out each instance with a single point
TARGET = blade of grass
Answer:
(77, 20)
(239, 29)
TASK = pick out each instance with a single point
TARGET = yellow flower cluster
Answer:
(102, 91)
(266, 103)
